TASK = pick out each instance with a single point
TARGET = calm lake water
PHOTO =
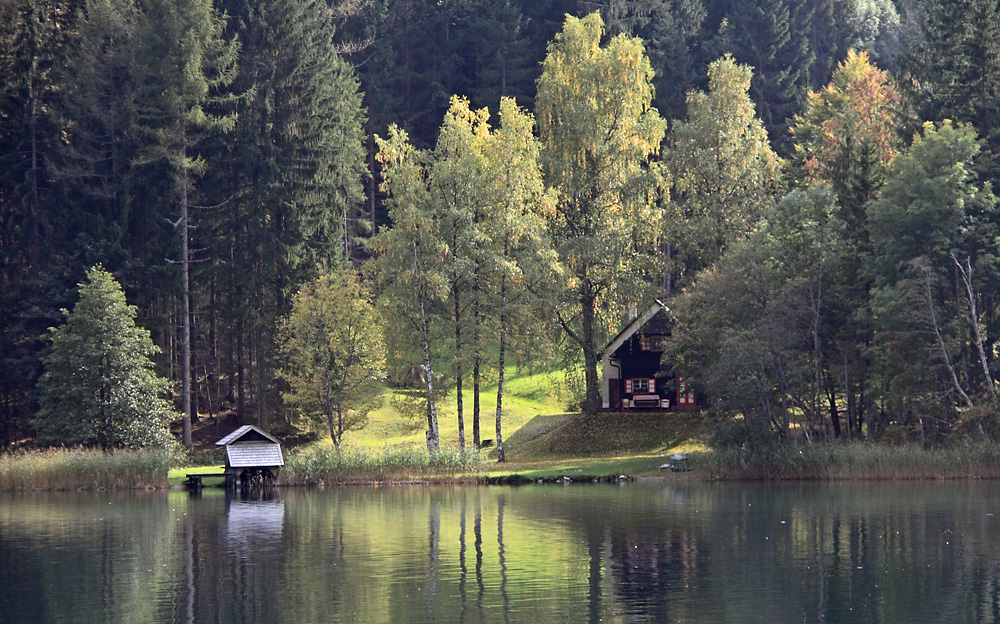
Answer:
(639, 552)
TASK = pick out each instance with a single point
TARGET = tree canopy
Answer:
(333, 350)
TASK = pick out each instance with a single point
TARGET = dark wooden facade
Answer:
(633, 376)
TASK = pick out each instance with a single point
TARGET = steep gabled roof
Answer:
(635, 325)
(249, 432)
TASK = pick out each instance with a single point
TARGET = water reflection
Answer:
(638, 553)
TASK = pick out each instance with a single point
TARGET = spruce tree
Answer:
(99, 387)
(769, 35)
(187, 60)
(287, 180)
(954, 71)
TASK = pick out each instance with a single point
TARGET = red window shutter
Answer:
(652, 386)
(628, 386)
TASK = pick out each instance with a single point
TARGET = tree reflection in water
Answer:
(637, 553)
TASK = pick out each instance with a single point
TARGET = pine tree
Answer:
(954, 71)
(34, 222)
(99, 387)
(769, 35)
(188, 60)
(287, 180)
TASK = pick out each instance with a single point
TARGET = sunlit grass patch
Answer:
(604, 434)
(525, 396)
(177, 476)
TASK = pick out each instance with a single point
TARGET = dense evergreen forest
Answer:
(806, 183)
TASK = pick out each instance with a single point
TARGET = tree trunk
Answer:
(458, 365)
(501, 455)
(333, 429)
(194, 367)
(476, 380)
(433, 443)
(834, 414)
(185, 316)
(966, 274)
(945, 357)
(590, 355)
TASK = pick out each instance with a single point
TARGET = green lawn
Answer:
(177, 476)
(525, 397)
(541, 440)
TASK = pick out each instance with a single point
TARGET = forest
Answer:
(447, 187)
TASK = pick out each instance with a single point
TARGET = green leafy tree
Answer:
(518, 261)
(750, 331)
(933, 223)
(99, 386)
(334, 355)
(599, 129)
(410, 267)
(458, 192)
(724, 175)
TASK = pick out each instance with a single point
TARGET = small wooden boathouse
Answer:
(253, 457)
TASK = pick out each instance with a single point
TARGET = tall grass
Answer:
(853, 461)
(327, 466)
(79, 469)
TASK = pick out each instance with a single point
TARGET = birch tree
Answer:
(523, 263)
(599, 130)
(411, 258)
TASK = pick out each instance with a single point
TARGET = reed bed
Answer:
(80, 469)
(979, 460)
(328, 466)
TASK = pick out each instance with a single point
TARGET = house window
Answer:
(651, 343)
(640, 385)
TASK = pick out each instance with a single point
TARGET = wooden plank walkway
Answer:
(194, 478)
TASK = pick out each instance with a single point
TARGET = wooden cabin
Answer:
(252, 456)
(633, 377)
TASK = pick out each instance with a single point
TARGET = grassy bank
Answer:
(980, 460)
(327, 466)
(61, 469)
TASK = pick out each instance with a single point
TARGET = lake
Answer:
(657, 551)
